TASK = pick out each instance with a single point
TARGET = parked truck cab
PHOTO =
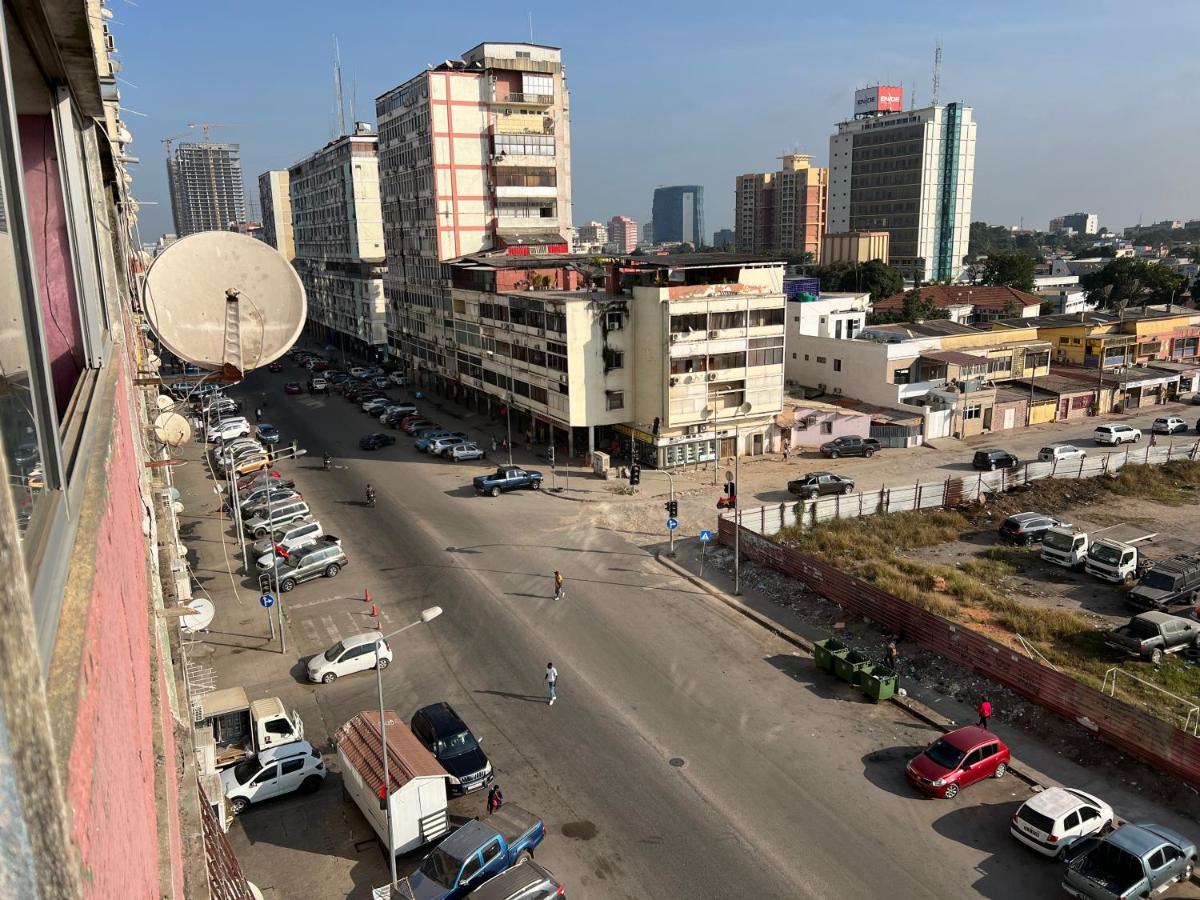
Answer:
(1065, 546)
(1114, 561)
(241, 729)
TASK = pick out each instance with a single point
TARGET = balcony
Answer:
(513, 190)
(541, 101)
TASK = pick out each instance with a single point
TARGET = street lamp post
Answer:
(427, 615)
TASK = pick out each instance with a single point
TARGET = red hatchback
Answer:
(957, 759)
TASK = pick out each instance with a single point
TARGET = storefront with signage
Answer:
(683, 450)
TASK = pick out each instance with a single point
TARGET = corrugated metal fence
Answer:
(1127, 727)
(768, 520)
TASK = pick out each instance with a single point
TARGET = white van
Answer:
(272, 773)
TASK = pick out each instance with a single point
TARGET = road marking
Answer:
(331, 629)
(310, 630)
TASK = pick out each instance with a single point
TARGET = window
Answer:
(763, 317)
(470, 869)
(727, 361)
(821, 360)
(278, 726)
(974, 411)
(837, 365)
(613, 359)
(614, 400)
(613, 320)
(1157, 859)
(490, 852)
(765, 351)
(900, 376)
(525, 144)
(837, 329)
(826, 428)
(270, 773)
(1088, 813)
(688, 322)
(1071, 821)
(537, 85)
(292, 765)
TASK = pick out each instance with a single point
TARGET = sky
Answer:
(1080, 106)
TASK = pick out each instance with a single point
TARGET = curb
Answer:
(912, 707)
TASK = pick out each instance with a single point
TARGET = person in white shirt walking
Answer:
(551, 681)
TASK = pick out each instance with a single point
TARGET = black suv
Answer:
(850, 445)
(376, 441)
(988, 460)
(447, 737)
(816, 484)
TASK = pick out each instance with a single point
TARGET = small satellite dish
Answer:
(177, 507)
(205, 611)
(172, 429)
(163, 402)
(224, 301)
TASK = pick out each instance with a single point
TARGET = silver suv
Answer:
(324, 558)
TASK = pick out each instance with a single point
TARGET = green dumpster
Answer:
(826, 651)
(847, 667)
(878, 682)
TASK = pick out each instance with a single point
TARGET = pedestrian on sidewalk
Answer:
(495, 798)
(551, 682)
(890, 656)
(785, 452)
(1153, 439)
(985, 712)
(559, 591)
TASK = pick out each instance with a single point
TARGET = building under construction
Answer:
(206, 188)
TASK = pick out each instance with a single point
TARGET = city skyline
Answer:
(288, 109)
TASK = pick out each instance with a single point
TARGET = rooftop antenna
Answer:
(937, 72)
(354, 101)
(531, 26)
(337, 86)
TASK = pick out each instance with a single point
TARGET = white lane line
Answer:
(310, 631)
(331, 629)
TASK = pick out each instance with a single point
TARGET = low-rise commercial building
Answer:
(855, 247)
(969, 303)
(835, 315)
(337, 227)
(806, 424)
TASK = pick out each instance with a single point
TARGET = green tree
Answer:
(1133, 281)
(1010, 269)
(873, 277)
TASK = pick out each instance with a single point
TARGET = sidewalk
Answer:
(774, 602)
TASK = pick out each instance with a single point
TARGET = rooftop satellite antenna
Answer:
(224, 301)
(937, 73)
(172, 429)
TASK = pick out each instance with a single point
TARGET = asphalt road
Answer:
(690, 754)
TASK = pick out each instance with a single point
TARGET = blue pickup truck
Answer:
(507, 478)
(476, 852)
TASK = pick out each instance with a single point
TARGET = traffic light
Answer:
(550, 454)
(635, 475)
(672, 508)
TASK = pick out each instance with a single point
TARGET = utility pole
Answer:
(737, 513)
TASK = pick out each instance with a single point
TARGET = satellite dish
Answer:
(205, 611)
(172, 429)
(224, 301)
(163, 402)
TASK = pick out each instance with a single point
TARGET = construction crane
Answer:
(205, 126)
(170, 139)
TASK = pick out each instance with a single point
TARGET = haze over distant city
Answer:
(1078, 107)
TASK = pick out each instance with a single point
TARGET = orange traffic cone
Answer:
(374, 612)
(367, 596)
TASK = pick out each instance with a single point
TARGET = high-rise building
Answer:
(782, 211)
(1080, 223)
(724, 239)
(474, 155)
(337, 226)
(648, 233)
(909, 173)
(205, 182)
(622, 234)
(592, 234)
(678, 215)
(276, 211)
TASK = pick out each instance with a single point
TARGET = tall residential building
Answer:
(1080, 223)
(724, 239)
(592, 234)
(784, 211)
(276, 211)
(622, 234)
(205, 182)
(678, 215)
(648, 233)
(474, 155)
(910, 173)
(337, 226)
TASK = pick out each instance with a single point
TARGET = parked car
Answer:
(398, 378)
(376, 441)
(382, 382)
(850, 445)
(293, 387)
(1116, 434)
(992, 459)
(281, 552)
(524, 881)
(1133, 861)
(957, 759)
(324, 559)
(228, 429)
(318, 385)
(417, 424)
(476, 851)
(275, 367)
(1169, 425)
(1029, 527)
(268, 434)
(261, 495)
(1061, 452)
(1170, 582)
(1152, 635)
(267, 476)
(349, 655)
(466, 450)
(249, 464)
(358, 372)
(318, 365)
(818, 484)
(275, 516)
(290, 537)
(272, 773)
(403, 409)
(376, 405)
(507, 478)
(447, 737)
(1054, 819)
(422, 443)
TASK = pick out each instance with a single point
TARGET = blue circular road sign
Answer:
(672, 523)
(266, 601)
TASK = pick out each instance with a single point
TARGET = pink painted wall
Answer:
(112, 766)
(814, 435)
(46, 212)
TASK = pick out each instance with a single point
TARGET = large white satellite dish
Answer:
(224, 301)
(172, 429)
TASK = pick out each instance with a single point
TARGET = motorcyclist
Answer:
(327, 461)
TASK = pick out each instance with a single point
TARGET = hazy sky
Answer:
(1081, 106)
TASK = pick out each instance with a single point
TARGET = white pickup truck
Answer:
(1070, 547)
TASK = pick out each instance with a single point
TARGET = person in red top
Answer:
(985, 712)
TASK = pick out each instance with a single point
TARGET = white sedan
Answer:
(350, 655)
(1060, 452)
(469, 450)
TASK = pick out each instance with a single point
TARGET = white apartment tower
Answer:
(205, 182)
(475, 156)
(337, 228)
(910, 173)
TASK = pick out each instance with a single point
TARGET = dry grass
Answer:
(1173, 483)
